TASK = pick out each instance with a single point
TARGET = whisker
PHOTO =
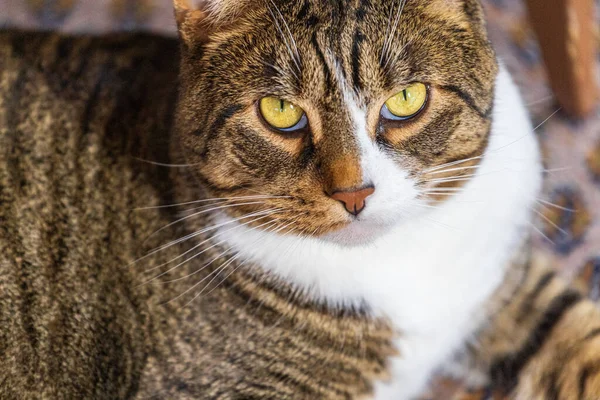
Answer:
(196, 284)
(541, 233)
(441, 224)
(216, 272)
(525, 135)
(542, 100)
(557, 169)
(194, 234)
(450, 180)
(561, 230)
(547, 119)
(287, 27)
(202, 252)
(387, 32)
(453, 169)
(547, 203)
(397, 54)
(235, 268)
(166, 165)
(223, 199)
(442, 189)
(204, 242)
(390, 38)
(201, 213)
(280, 70)
(450, 164)
(283, 36)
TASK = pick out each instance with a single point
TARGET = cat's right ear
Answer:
(192, 21)
(198, 19)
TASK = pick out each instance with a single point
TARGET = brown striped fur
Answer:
(82, 316)
(75, 321)
(300, 51)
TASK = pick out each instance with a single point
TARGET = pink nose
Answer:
(354, 201)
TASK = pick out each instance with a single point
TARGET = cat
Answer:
(295, 200)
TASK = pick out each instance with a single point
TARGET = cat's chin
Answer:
(358, 233)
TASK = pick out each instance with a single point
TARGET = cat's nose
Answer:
(353, 200)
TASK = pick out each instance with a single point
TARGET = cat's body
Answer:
(406, 274)
(88, 310)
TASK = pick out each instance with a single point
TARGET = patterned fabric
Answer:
(568, 224)
(89, 16)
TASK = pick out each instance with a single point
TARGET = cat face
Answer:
(344, 115)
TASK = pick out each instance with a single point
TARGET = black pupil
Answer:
(404, 94)
(281, 104)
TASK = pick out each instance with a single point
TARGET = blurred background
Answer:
(550, 47)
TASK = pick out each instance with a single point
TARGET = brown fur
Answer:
(87, 312)
(76, 323)
(228, 69)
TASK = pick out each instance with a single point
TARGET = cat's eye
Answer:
(406, 104)
(282, 115)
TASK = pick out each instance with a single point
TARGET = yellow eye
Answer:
(282, 114)
(407, 103)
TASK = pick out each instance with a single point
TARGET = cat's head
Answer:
(333, 118)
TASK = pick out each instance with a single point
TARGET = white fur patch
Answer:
(430, 270)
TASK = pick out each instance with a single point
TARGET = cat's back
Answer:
(74, 115)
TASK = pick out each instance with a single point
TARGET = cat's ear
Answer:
(198, 19)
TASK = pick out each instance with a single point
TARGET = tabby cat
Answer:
(296, 200)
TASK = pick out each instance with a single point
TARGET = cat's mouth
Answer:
(361, 231)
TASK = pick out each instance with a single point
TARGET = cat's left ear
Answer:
(198, 19)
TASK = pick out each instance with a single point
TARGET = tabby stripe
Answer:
(25, 269)
(434, 135)
(553, 390)
(587, 372)
(92, 101)
(328, 75)
(466, 97)
(593, 334)
(506, 370)
(304, 10)
(216, 126)
(216, 187)
(529, 302)
(356, 43)
(361, 13)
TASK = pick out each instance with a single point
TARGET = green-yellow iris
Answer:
(408, 102)
(279, 113)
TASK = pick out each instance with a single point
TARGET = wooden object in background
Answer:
(566, 30)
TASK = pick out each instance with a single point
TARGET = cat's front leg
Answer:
(543, 343)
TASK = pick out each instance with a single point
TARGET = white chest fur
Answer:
(428, 275)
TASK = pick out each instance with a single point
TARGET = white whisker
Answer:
(550, 222)
(236, 268)
(166, 165)
(206, 241)
(283, 36)
(216, 271)
(450, 164)
(542, 100)
(390, 38)
(547, 203)
(223, 199)
(547, 119)
(541, 233)
(203, 251)
(557, 169)
(202, 213)
(194, 234)
(453, 169)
